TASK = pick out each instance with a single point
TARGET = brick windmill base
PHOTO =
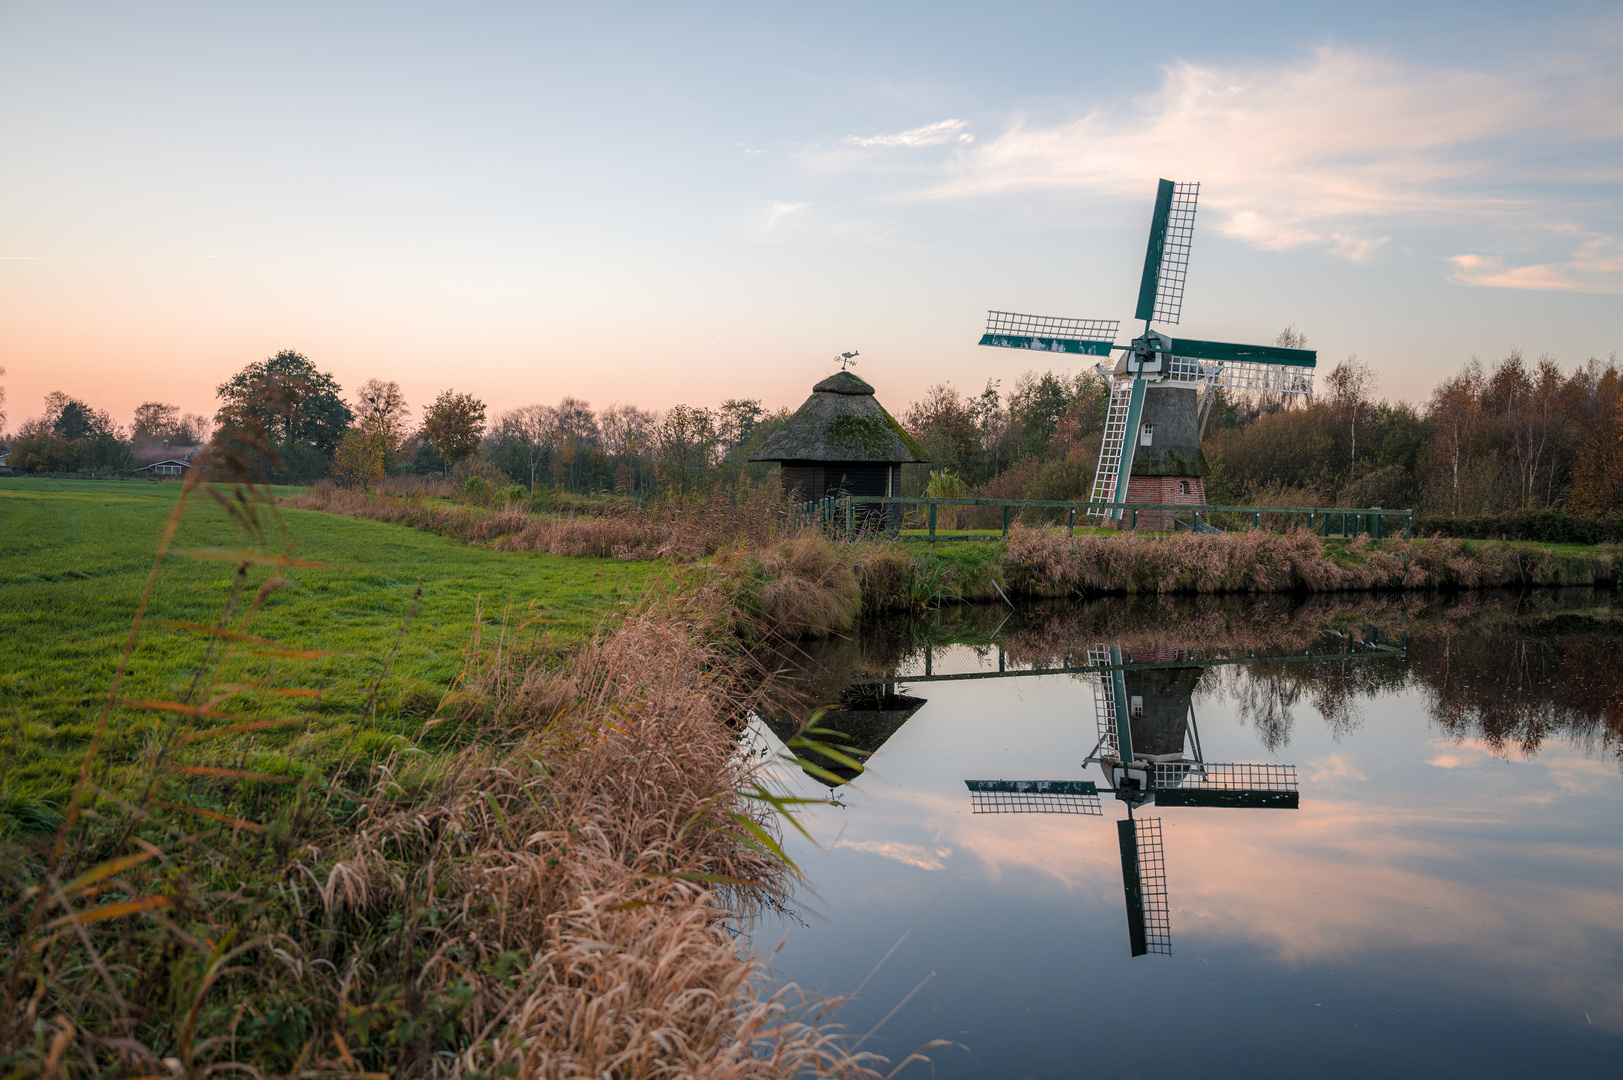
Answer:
(1179, 490)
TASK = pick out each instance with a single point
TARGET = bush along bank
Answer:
(1544, 526)
(1047, 562)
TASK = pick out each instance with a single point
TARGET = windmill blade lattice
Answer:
(1144, 879)
(1047, 333)
(1034, 797)
(1166, 263)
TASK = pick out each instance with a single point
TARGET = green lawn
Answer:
(75, 555)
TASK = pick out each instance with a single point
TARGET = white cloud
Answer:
(1595, 267)
(911, 854)
(781, 215)
(1338, 150)
(943, 131)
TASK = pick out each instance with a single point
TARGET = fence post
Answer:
(932, 523)
(1408, 527)
(1071, 525)
(1256, 520)
(1005, 520)
(1135, 519)
(850, 518)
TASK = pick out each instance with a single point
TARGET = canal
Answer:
(1207, 837)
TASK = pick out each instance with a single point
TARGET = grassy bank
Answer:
(537, 875)
(798, 582)
(75, 556)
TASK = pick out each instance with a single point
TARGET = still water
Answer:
(1433, 887)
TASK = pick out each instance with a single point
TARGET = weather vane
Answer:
(847, 360)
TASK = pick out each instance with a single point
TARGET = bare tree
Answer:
(627, 431)
(1456, 410)
(628, 435)
(1291, 338)
(532, 427)
(1350, 383)
(381, 407)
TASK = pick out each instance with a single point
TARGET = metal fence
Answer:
(919, 519)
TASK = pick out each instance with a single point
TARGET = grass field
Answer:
(75, 555)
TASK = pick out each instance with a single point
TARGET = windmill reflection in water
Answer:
(1149, 751)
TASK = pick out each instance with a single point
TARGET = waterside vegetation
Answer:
(268, 861)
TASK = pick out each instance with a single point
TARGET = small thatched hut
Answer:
(841, 442)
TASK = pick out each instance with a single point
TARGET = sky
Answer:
(664, 204)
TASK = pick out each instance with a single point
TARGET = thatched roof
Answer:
(841, 421)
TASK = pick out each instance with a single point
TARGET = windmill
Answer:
(1161, 387)
(1148, 751)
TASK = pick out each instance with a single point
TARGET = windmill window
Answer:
(1183, 487)
(1145, 434)
(1138, 705)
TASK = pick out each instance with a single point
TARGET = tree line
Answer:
(1509, 436)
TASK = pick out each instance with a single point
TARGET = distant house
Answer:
(164, 460)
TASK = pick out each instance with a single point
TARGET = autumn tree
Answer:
(363, 455)
(1597, 475)
(69, 435)
(454, 424)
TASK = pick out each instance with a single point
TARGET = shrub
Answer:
(1546, 526)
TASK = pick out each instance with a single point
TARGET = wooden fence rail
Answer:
(872, 516)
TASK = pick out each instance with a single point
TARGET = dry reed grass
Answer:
(675, 528)
(557, 898)
(1041, 562)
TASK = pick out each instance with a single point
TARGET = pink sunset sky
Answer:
(631, 204)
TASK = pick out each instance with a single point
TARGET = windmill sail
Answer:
(1166, 263)
(1254, 787)
(1144, 880)
(1034, 797)
(1044, 333)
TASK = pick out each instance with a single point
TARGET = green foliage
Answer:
(296, 405)
(946, 485)
(454, 424)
